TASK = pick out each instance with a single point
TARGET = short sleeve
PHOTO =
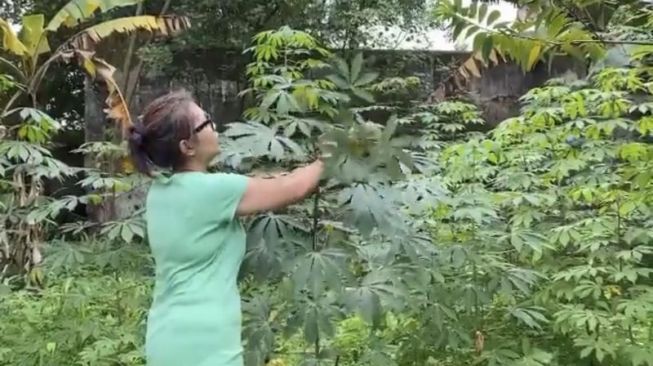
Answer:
(227, 191)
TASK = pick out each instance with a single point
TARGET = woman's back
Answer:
(198, 245)
(195, 237)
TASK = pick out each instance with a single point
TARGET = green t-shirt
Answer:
(198, 244)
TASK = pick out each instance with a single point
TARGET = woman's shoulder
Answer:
(200, 182)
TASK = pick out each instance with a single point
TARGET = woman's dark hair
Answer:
(154, 140)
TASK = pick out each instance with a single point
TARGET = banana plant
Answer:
(34, 54)
(24, 156)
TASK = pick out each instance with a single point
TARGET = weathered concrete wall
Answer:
(498, 91)
(217, 76)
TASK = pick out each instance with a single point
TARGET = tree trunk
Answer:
(94, 130)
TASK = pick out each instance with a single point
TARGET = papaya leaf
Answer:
(253, 139)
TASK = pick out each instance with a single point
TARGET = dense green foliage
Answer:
(83, 317)
(427, 243)
(232, 23)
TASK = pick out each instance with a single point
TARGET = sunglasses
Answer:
(208, 122)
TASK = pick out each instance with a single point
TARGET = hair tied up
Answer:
(137, 134)
(136, 140)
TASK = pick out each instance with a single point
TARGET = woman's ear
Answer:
(186, 148)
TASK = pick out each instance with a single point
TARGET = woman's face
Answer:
(205, 145)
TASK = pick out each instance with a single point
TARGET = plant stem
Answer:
(18, 72)
(130, 50)
(316, 202)
(130, 89)
(316, 217)
(476, 307)
(618, 232)
(10, 103)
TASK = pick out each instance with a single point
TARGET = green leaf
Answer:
(255, 140)
(339, 81)
(488, 46)
(471, 31)
(533, 56)
(479, 41)
(368, 304)
(531, 316)
(375, 289)
(472, 10)
(311, 327)
(494, 16)
(366, 209)
(366, 79)
(4, 291)
(33, 36)
(640, 356)
(363, 94)
(599, 346)
(356, 67)
(458, 29)
(316, 269)
(482, 12)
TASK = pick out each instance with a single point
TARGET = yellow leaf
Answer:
(166, 25)
(494, 56)
(128, 166)
(36, 276)
(533, 56)
(89, 66)
(10, 41)
(99, 69)
(470, 65)
(117, 107)
(33, 35)
(117, 110)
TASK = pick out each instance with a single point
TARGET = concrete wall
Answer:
(498, 91)
(217, 76)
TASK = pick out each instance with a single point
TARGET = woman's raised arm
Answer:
(269, 194)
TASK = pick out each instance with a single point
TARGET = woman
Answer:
(195, 236)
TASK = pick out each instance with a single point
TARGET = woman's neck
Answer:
(191, 167)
